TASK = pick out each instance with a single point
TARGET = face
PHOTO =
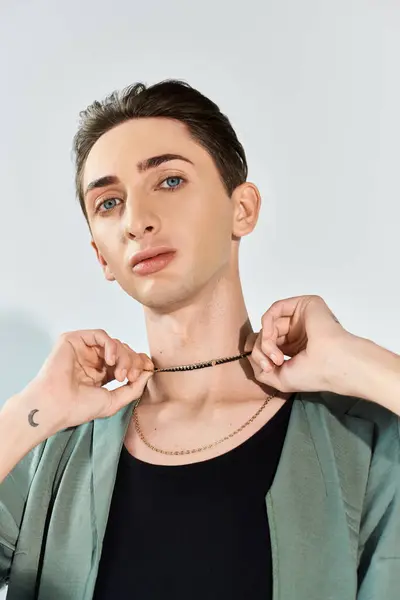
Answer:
(181, 204)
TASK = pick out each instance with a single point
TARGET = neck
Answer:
(216, 325)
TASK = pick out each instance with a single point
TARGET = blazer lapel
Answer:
(306, 510)
(108, 438)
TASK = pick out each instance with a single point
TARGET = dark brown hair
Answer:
(174, 99)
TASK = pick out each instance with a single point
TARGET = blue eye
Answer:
(175, 180)
(104, 203)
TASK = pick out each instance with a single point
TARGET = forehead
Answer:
(137, 139)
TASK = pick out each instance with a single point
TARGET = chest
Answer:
(204, 522)
(210, 437)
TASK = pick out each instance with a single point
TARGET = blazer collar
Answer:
(108, 438)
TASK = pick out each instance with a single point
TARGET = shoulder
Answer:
(363, 441)
(377, 426)
(340, 407)
(358, 441)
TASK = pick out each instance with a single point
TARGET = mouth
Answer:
(152, 260)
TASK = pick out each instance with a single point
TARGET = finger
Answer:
(148, 363)
(271, 351)
(96, 340)
(250, 341)
(281, 327)
(280, 308)
(143, 360)
(274, 377)
(120, 357)
(109, 352)
(258, 354)
(268, 349)
(139, 361)
(276, 323)
(129, 392)
(269, 342)
(281, 341)
(265, 370)
(260, 361)
(322, 314)
(127, 362)
(99, 339)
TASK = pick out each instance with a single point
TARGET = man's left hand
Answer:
(304, 329)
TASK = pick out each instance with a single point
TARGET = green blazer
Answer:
(333, 508)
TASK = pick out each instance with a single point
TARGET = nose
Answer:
(139, 219)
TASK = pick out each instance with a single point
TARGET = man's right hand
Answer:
(68, 389)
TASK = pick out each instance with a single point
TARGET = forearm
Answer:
(17, 437)
(370, 372)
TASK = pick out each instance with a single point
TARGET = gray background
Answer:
(313, 91)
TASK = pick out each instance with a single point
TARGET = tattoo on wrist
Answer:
(30, 418)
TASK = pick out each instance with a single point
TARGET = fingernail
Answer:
(124, 373)
(264, 365)
(274, 357)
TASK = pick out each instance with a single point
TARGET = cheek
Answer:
(109, 254)
(210, 237)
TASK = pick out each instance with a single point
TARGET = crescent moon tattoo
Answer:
(30, 417)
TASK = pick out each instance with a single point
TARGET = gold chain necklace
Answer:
(202, 448)
(210, 363)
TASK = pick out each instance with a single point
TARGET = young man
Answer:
(228, 478)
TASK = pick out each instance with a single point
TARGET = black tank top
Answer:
(196, 531)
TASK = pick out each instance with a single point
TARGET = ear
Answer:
(247, 203)
(106, 270)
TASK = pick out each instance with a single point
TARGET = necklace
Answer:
(210, 363)
(202, 365)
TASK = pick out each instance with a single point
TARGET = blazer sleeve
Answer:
(379, 539)
(13, 495)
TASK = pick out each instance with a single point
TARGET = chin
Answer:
(165, 297)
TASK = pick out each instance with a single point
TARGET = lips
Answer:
(149, 253)
(154, 264)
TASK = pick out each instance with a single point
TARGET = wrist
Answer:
(366, 370)
(17, 437)
(18, 410)
(381, 382)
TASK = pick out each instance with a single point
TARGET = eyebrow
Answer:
(142, 166)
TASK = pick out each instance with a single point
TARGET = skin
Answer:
(194, 309)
